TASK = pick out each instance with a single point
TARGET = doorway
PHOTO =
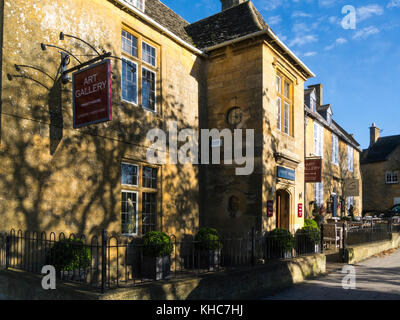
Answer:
(282, 209)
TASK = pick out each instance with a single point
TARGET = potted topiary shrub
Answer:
(157, 249)
(208, 246)
(279, 244)
(308, 238)
(71, 259)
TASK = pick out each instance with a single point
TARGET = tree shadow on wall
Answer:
(76, 186)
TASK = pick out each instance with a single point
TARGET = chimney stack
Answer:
(373, 134)
(226, 4)
(318, 93)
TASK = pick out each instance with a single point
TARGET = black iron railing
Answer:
(379, 232)
(108, 261)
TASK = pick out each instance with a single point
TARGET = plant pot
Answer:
(210, 259)
(279, 254)
(79, 275)
(156, 268)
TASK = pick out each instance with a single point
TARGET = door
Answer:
(283, 209)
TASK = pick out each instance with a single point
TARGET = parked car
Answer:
(392, 212)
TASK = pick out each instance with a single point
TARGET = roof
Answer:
(333, 127)
(169, 19)
(235, 22)
(381, 149)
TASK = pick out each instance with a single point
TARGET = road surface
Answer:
(377, 278)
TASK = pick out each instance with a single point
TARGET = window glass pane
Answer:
(149, 54)
(335, 149)
(129, 81)
(313, 103)
(349, 158)
(149, 212)
(287, 90)
(278, 107)
(150, 177)
(148, 89)
(286, 118)
(129, 212)
(129, 43)
(129, 174)
(278, 84)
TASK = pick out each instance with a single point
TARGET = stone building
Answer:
(226, 71)
(380, 166)
(341, 182)
(254, 82)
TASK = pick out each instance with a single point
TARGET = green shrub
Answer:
(157, 244)
(310, 223)
(208, 239)
(310, 234)
(280, 239)
(69, 255)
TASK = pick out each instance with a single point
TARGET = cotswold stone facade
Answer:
(340, 154)
(226, 71)
(380, 165)
(55, 178)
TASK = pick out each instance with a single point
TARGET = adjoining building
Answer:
(253, 82)
(338, 183)
(380, 166)
(226, 71)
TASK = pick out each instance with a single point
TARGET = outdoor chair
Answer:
(331, 234)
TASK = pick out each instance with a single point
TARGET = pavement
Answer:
(377, 278)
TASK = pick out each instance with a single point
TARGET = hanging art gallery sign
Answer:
(91, 89)
(313, 170)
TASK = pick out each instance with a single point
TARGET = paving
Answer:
(377, 278)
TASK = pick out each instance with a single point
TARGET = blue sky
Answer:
(359, 68)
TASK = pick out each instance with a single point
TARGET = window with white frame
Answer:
(129, 44)
(140, 4)
(350, 158)
(278, 84)
(148, 89)
(139, 71)
(392, 177)
(129, 174)
(278, 117)
(284, 104)
(350, 202)
(313, 104)
(335, 149)
(286, 118)
(319, 193)
(318, 139)
(129, 212)
(139, 198)
(149, 54)
(129, 81)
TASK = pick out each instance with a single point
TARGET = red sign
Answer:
(313, 172)
(300, 210)
(91, 88)
(270, 208)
